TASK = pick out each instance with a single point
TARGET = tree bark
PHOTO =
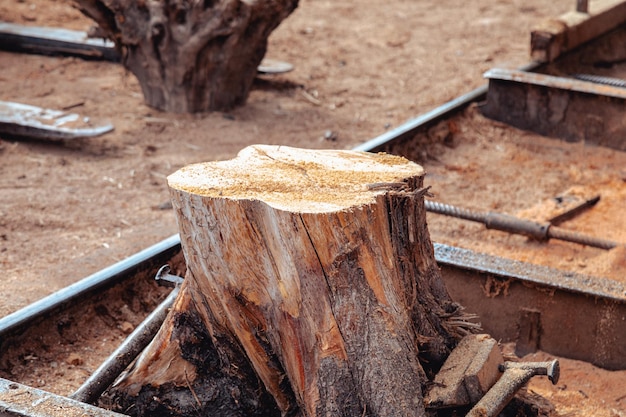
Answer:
(312, 290)
(190, 56)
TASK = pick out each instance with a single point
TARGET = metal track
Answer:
(17, 400)
(408, 129)
(565, 108)
(98, 282)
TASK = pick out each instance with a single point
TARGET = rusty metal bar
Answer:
(561, 83)
(512, 224)
(574, 211)
(469, 263)
(578, 316)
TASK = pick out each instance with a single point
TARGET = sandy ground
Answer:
(361, 68)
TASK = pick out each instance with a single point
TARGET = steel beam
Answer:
(574, 316)
(565, 108)
(55, 41)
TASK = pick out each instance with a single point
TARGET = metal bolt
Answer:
(163, 277)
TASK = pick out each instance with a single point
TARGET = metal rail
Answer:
(408, 129)
(17, 400)
(115, 364)
(99, 281)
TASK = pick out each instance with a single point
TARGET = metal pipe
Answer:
(512, 224)
(111, 368)
(409, 128)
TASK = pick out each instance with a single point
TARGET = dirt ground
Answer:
(68, 209)
(73, 208)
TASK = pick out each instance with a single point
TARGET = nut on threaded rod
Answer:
(512, 224)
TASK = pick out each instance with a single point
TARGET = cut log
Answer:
(312, 289)
(190, 56)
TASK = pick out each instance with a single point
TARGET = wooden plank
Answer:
(556, 36)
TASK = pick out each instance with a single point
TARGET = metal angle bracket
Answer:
(565, 108)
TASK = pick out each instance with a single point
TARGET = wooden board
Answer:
(570, 30)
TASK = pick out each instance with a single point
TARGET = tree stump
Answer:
(190, 56)
(311, 290)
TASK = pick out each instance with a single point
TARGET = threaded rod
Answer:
(512, 224)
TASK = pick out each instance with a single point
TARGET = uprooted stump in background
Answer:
(312, 290)
(190, 56)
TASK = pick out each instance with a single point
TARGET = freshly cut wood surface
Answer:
(311, 289)
(297, 179)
